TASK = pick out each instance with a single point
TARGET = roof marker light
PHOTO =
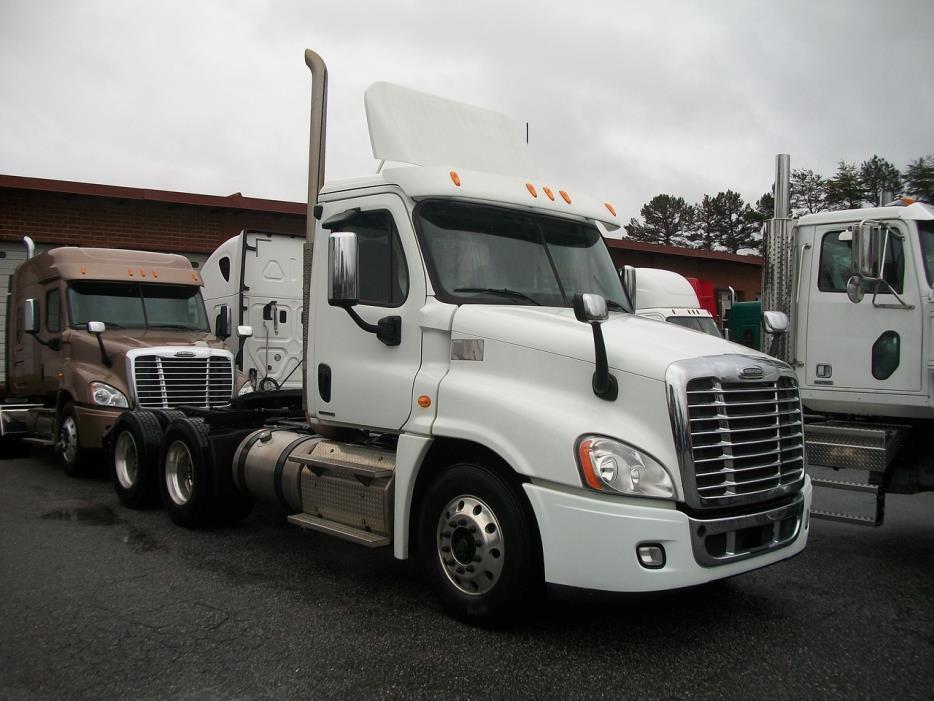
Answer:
(531, 188)
(565, 196)
(142, 273)
(155, 273)
(84, 271)
(455, 178)
(907, 200)
(610, 207)
(549, 193)
(129, 272)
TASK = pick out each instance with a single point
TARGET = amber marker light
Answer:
(531, 188)
(84, 271)
(155, 273)
(142, 273)
(129, 272)
(610, 208)
(583, 454)
(565, 196)
(424, 401)
(548, 193)
(194, 276)
(455, 178)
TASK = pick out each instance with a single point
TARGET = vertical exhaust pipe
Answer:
(30, 247)
(779, 275)
(316, 151)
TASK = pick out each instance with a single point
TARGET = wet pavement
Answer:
(100, 602)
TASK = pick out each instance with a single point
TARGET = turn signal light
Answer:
(583, 452)
(455, 178)
(424, 401)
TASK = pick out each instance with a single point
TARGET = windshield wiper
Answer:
(503, 291)
(172, 326)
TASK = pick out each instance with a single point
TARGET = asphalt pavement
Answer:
(100, 602)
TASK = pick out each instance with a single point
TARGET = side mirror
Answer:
(775, 322)
(342, 269)
(628, 277)
(244, 331)
(590, 308)
(31, 316)
(867, 250)
(222, 322)
(97, 328)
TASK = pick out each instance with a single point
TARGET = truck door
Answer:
(862, 346)
(52, 324)
(23, 345)
(356, 379)
(272, 293)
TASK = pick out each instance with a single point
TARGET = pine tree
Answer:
(879, 177)
(737, 230)
(707, 225)
(808, 192)
(758, 215)
(844, 189)
(666, 220)
(919, 179)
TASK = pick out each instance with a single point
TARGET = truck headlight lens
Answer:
(105, 395)
(246, 389)
(608, 465)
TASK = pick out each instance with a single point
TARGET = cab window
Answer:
(836, 264)
(53, 311)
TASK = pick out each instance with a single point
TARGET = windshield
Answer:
(133, 305)
(492, 255)
(698, 323)
(926, 235)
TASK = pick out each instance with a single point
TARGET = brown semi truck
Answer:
(93, 333)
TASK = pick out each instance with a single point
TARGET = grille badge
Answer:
(751, 373)
(185, 354)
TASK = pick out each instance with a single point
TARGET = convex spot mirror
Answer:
(342, 269)
(96, 327)
(590, 308)
(775, 322)
(244, 331)
(31, 316)
(854, 289)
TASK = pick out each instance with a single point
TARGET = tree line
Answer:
(724, 222)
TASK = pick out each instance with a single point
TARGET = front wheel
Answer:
(480, 545)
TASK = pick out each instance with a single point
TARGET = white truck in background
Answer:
(857, 288)
(258, 275)
(665, 295)
(479, 394)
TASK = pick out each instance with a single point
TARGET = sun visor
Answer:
(408, 126)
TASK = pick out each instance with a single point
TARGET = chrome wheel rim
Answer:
(68, 439)
(126, 460)
(179, 473)
(470, 545)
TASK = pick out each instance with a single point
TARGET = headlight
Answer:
(610, 466)
(105, 395)
(246, 389)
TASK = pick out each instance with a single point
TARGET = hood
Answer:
(633, 344)
(119, 341)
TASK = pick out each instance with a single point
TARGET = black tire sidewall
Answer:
(197, 511)
(147, 434)
(521, 578)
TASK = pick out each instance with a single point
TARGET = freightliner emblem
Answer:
(751, 373)
(184, 354)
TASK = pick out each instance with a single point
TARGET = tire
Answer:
(76, 461)
(167, 416)
(489, 580)
(133, 453)
(185, 473)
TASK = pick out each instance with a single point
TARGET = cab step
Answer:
(44, 442)
(355, 535)
(346, 490)
(876, 490)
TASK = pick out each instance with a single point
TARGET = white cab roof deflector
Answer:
(409, 126)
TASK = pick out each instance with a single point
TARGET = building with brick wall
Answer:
(60, 213)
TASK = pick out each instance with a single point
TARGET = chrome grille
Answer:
(746, 437)
(165, 381)
(740, 440)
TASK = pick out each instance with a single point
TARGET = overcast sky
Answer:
(624, 99)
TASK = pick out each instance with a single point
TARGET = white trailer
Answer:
(480, 395)
(258, 274)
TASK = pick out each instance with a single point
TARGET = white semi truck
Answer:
(478, 393)
(665, 295)
(856, 286)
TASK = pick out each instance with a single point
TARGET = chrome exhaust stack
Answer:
(779, 275)
(316, 152)
(30, 247)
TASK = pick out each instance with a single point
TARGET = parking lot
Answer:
(97, 601)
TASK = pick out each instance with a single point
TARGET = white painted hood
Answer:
(642, 346)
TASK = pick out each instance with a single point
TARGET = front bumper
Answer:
(590, 541)
(94, 422)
